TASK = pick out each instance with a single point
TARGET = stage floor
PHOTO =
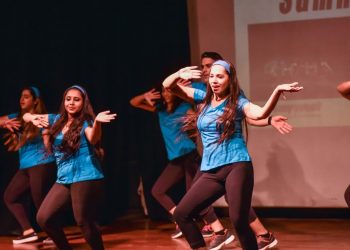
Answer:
(136, 232)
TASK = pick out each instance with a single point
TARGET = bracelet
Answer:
(269, 120)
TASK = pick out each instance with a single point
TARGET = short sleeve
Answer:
(242, 101)
(199, 85)
(13, 115)
(198, 95)
(86, 124)
(52, 118)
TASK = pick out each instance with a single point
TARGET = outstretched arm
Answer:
(146, 101)
(10, 124)
(256, 112)
(39, 120)
(93, 134)
(173, 84)
(344, 89)
(278, 122)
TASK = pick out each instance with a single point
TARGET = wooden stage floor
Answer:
(137, 232)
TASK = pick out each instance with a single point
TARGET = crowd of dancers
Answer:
(202, 114)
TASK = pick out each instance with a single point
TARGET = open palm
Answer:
(105, 116)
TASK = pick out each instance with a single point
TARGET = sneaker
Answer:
(207, 231)
(48, 241)
(177, 233)
(26, 238)
(266, 242)
(221, 240)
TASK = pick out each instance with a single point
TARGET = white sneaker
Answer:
(26, 238)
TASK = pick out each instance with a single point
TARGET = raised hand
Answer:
(289, 87)
(190, 73)
(12, 124)
(105, 116)
(280, 123)
(151, 95)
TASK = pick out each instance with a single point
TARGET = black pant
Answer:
(183, 167)
(35, 181)
(186, 166)
(86, 196)
(237, 181)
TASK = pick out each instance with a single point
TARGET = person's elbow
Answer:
(133, 102)
(344, 88)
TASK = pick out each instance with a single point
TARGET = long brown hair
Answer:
(28, 131)
(226, 122)
(71, 139)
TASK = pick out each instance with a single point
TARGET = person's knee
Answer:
(8, 198)
(156, 192)
(180, 214)
(347, 196)
(85, 223)
(42, 219)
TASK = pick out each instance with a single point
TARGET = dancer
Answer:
(183, 158)
(344, 90)
(265, 238)
(37, 170)
(226, 163)
(73, 134)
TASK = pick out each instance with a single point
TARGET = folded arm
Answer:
(184, 92)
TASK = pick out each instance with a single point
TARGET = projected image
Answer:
(314, 52)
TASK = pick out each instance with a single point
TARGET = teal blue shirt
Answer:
(83, 165)
(199, 85)
(231, 150)
(176, 141)
(33, 152)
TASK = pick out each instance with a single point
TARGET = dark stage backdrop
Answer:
(116, 50)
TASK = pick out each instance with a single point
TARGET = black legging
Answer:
(347, 196)
(237, 180)
(252, 214)
(86, 196)
(36, 181)
(186, 166)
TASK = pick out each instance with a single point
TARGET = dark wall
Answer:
(115, 49)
